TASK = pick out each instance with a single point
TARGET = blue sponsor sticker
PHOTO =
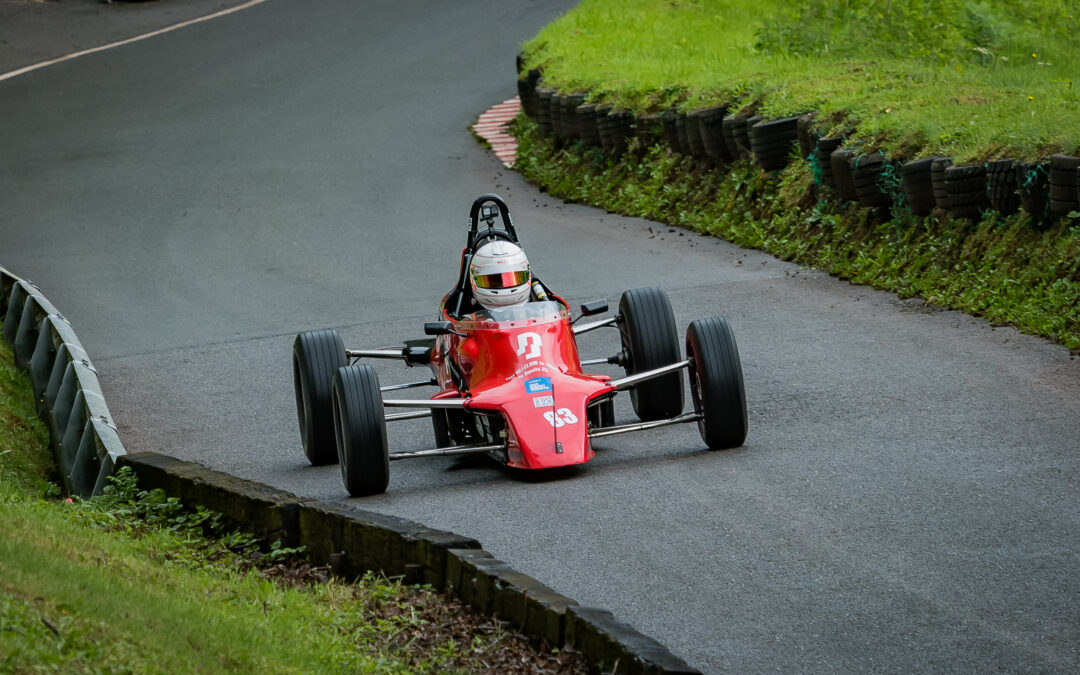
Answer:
(537, 384)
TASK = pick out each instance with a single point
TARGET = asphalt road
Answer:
(907, 498)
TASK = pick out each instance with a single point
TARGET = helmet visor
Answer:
(502, 280)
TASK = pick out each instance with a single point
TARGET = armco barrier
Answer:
(352, 541)
(84, 438)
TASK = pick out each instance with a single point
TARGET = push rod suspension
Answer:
(627, 428)
(452, 450)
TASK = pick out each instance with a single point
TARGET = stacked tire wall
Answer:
(717, 136)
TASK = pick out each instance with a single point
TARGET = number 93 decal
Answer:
(560, 417)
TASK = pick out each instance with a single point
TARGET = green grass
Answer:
(130, 583)
(966, 79)
(1005, 269)
(970, 79)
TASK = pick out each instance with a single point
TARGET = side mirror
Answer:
(594, 307)
(439, 328)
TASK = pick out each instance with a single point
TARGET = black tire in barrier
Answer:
(727, 132)
(1063, 196)
(1033, 187)
(671, 133)
(710, 123)
(823, 160)
(693, 135)
(841, 166)
(648, 129)
(866, 174)
(937, 176)
(543, 110)
(808, 138)
(681, 133)
(1001, 186)
(966, 186)
(771, 142)
(587, 125)
(917, 186)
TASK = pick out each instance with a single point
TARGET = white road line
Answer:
(102, 48)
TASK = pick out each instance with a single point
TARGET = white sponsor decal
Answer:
(528, 345)
(560, 417)
(543, 401)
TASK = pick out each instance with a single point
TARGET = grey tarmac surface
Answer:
(907, 498)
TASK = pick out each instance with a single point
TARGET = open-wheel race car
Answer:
(509, 380)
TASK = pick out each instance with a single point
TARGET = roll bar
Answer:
(476, 214)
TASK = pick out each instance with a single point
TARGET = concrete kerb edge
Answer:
(352, 541)
(70, 400)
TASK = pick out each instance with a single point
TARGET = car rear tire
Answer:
(650, 340)
(716, 383)
(317, 355)
(360, 431)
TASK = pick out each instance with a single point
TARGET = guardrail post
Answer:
(16, 303)
(69, 443)
(27, 333)
(41, 361)
(66, 353)
(61, 407)
(109, 449)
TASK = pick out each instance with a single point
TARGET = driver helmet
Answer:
(500, 275)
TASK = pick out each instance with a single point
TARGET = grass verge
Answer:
(132, 582)
(1004, 269)
(969, 79)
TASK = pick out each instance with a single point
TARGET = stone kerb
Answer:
(352, 541)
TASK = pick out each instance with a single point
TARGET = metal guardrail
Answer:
(83, 434)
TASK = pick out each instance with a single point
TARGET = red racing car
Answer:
(509, 378)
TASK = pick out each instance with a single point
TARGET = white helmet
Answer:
(500, 275)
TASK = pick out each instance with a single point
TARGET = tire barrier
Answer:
(351, 541)
(966, 186)
(1033, 186)
(918, 187)
(771, 142)
(716, 138)
(1001, 186)
(841, 160)
(868, 173)
(83, 435)
(823, 160)
(937, 180)
(1063, 184)
(710, 121)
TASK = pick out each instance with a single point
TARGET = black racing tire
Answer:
(317, 355)
(650, 339)
(360, 431)
(716, 383)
